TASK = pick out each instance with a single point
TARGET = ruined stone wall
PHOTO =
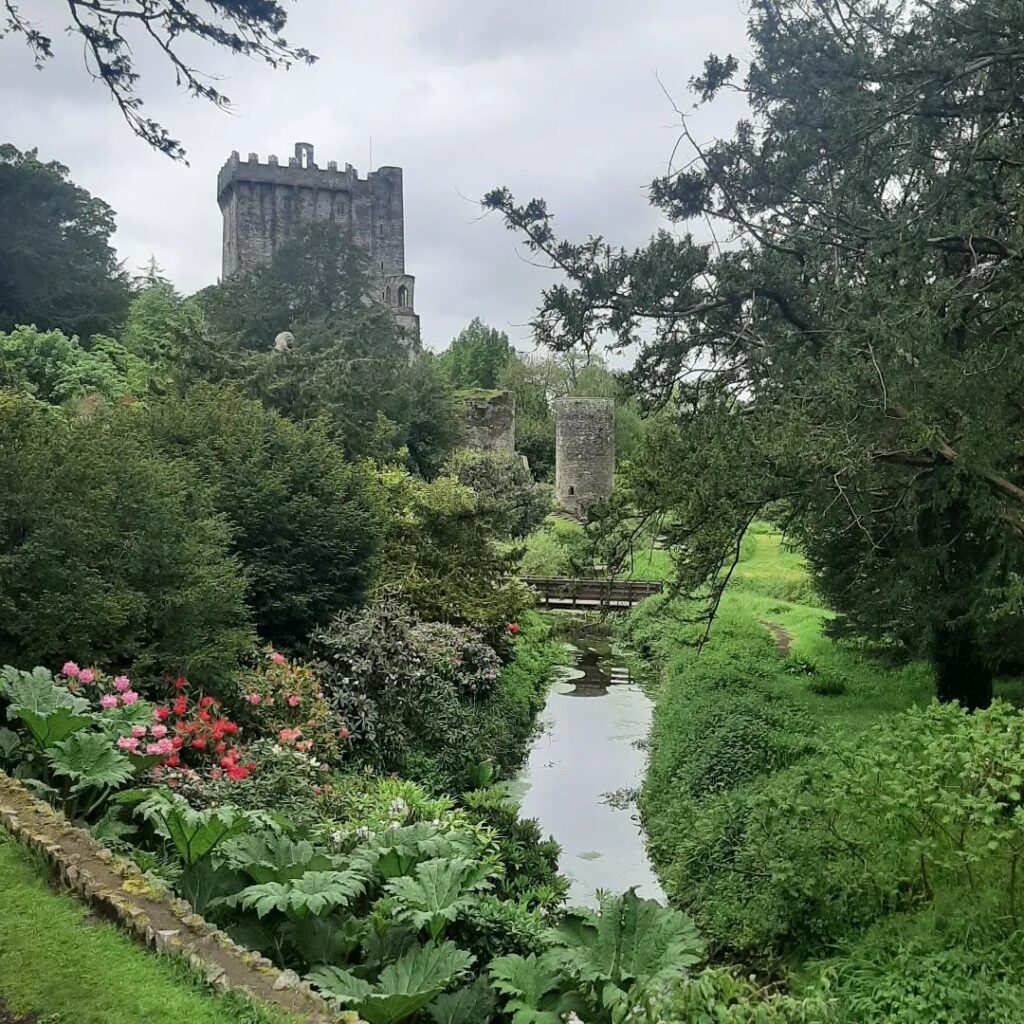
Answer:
(265, 205)
(489, 419)
(584, 452)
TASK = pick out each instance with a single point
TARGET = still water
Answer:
(584, 768)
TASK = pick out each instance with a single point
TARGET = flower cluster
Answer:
(120, 693)
(204, 738)
(284, 699)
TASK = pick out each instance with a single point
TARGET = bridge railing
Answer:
(570, 592)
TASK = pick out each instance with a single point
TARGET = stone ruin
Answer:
(489, 420)
(584, 452)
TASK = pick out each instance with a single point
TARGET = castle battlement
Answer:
(265, 204)
(301, 170)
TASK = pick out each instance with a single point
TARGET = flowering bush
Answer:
(201, 736)
(283, 699)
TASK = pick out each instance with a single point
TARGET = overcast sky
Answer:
(556, 98)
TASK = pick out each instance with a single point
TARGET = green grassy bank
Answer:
(820, 817)
(64, 967)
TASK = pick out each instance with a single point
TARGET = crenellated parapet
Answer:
(265, 204)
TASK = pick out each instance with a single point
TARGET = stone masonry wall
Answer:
(584, 452)
(490, 421)
(265, 204)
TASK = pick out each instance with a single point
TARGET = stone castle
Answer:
(264, 205)
(584, 452)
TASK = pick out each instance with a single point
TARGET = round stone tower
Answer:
(584, 452)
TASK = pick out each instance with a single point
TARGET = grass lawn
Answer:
(63, 967)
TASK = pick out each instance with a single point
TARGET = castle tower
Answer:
(264, 205)
(584, 452)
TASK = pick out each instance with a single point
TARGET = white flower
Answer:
(364, 833)
(398, 806)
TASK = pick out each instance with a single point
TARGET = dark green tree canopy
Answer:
(853, 348)
(349, 362)
(57, 266)
(108, 29)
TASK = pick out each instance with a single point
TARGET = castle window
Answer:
(403, 295)
(572, 490)
(387, 295)
(382, 229)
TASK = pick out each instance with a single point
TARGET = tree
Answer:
(851, 352)
(110, 554)
(506, 496)
(302, 523)
(348, 361)
(108, 29)
(58, 270)
(477, 355)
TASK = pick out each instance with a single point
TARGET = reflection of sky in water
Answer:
(585, 751)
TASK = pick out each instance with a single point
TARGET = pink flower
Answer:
(122, 683)
(108, 700)
(294, 700)
(138, 731)
(165, 746)
(153, 748)
(253, 698)
(277, 659)
(87, 675)
(129, 697)
(70, 669)
(159, 731)
(289, 735)
(128, 743)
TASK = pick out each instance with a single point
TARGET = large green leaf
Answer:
(195, 834)
(437, 892)
(316, 892)
(90, 759)
(404, 987)
(471, 1004)
(274, 857)
(331, 939)
(50, 712)
(397, 851)
(204, 882)
(534, 986)
(631, 939)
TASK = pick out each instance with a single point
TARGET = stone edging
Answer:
(115, 888)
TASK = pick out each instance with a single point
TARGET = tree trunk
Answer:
(962, 672)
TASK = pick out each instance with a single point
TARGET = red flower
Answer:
(219, 749)
(180, 705)
(198, 744)
(173, 761)
(230, 728)
(177, 742)
(205, 702)
(162, 714)
(513, 628)
(237, 772)
(180, 683)
(344, 733)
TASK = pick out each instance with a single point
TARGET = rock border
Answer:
(116, 889)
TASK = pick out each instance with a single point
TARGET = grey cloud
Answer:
(556, 99)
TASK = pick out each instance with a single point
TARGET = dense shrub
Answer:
(301, 520)
(506, 496)
(414, 687)
(110, 553)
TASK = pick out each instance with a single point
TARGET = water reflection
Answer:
(582, 769)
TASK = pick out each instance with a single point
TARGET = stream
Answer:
(584, 769)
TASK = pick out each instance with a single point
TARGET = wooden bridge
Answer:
(555, 592)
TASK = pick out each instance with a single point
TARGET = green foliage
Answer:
(403, 988)
(470, 1004)
(313, 892)
(851, 323)
(348, 363)
(90, 759)
(719, 996)
(50, 712)
(55, 368)
(274, 857)
(194, 834)
(109, 552)
(477, 356)
(301, 520)
(533, 986)
(59, 269)
(628, 941)
(437, 892)
(507, 500)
